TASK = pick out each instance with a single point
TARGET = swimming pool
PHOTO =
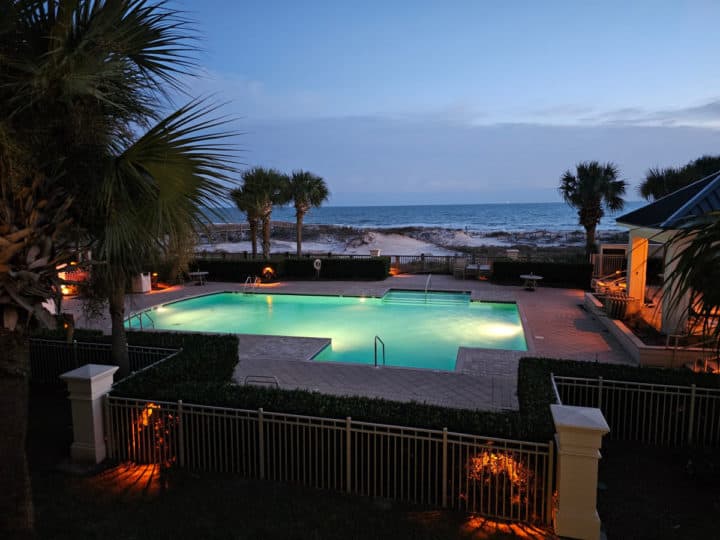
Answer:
(422, 330)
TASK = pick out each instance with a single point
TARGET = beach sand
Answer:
(319, 239)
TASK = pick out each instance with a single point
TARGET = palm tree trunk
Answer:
(266, 236)
(590, 246)
(298, 232)
(253, 236)
(119, 352)
(16, 506)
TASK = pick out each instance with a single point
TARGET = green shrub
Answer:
(575, 275)
(375, 268)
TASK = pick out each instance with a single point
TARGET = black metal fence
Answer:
(51, 358)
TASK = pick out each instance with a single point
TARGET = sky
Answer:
(414, 102)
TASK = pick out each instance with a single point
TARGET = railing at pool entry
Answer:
(139, 317)
(378, 339)
(252, 282)
(498, 478)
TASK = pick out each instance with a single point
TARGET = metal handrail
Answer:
(139, 318)
(252, 282)
(377, 338)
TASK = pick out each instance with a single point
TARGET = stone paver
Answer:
(555, 326)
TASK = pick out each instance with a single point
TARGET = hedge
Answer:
(201, 374)
(575, 275)
(375, 268)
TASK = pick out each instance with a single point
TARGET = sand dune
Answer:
(407, 241)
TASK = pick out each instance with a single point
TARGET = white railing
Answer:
(607, 264)
(660, 414)
(495, 477)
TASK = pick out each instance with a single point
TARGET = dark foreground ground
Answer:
(645, 494)
(651, 493)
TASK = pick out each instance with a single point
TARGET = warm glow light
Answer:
(268, 270)
(269, 300)
(144, 419)
(499, 329)
(160, 309)
(487, 466)
(154, 274)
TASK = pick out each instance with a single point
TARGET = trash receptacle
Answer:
(141, 283)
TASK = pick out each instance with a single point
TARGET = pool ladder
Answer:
(251, 282)
(427, 286)
(140, 319)
(377, 339)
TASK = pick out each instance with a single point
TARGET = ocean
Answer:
(510, 217)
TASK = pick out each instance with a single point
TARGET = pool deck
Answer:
(555, 326)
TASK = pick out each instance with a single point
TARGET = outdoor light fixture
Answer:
(268, 273)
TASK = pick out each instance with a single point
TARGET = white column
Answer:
(637, 269)
(87, 386)
(579, 432)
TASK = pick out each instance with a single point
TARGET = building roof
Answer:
(678, 207)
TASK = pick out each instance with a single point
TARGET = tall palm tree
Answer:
(306, 190)
(247, 202)
(79, 80)
(265, 188)
(593, 188)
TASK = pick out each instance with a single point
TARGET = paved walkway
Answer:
(555, 326)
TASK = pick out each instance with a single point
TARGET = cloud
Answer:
(372, 160)
(704, 115)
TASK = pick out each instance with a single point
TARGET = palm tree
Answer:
(78, 81)
(246, 202)
(696, 273)
(306, 190)
(591, 189)
(660, 182)
(265, 188)
(154, 193)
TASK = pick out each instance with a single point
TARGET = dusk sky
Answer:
(462, 102)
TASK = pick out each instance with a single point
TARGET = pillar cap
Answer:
(89, 372)
(584, 418)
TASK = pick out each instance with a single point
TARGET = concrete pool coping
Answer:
(305, 348)
(553, 323)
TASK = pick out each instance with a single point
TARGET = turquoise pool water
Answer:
(419, 330)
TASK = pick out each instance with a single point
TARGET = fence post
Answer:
(348, 453)
(261, 444)
(88, 386)
(691, 420)
(549, 483)
(599, 400)
(444, 467)
(74, 350)
(181, 433)
(579, 432)
(109, 440)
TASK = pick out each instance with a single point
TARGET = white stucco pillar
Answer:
(579, 433)
(674, 308)
(87, 386)
(637, 269)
